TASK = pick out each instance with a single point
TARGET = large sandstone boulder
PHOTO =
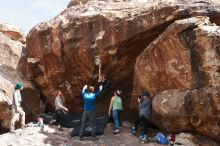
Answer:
(12, 53)
(186, 139)
(13, 32)
(13, 63)
(198, 110)
(5, 116)
(63, 52)
(13, 48)
(31, 100)
(185, 57)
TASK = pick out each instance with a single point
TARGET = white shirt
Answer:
(58, 101)
(17, 97)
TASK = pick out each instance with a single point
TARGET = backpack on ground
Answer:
(162, 138)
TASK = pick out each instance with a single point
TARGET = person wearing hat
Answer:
(116, 107)
(145, 108)
(16, 108)
(89, 97)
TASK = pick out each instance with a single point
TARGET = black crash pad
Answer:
(74, 121)
(100, 123)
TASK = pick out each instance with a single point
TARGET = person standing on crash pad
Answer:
(16, 108)
(89, 109)
(60, 109)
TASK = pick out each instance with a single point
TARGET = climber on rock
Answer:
(103, 81)
(16, 108)
(60, 108)
(89, 97)
(145, 108)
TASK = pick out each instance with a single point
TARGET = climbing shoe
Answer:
(95, 138)
(116, 131)
(144, 138)
(81, 138)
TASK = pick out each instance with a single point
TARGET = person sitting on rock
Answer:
(145, 108)
(16, 108)
(89, 109)
(116, 107)
(60, 109)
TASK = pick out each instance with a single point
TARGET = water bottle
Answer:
(42, 128)
(133, 131)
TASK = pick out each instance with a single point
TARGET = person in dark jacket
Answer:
(89, 109)
(145, 108)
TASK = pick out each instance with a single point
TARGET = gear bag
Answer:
(162, 139)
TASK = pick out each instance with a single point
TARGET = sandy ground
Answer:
(32, 136)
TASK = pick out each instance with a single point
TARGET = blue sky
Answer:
(27, 13)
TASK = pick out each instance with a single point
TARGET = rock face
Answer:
(32, 103)
(12, 48)
(196, 110)
(13, 32)
(184, 61)
(76, 2)
(5, 116)
(12, 53)
(185, 56)
(64, 52)
(13, 63)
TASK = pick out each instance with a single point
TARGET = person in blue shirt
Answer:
(89, 109)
